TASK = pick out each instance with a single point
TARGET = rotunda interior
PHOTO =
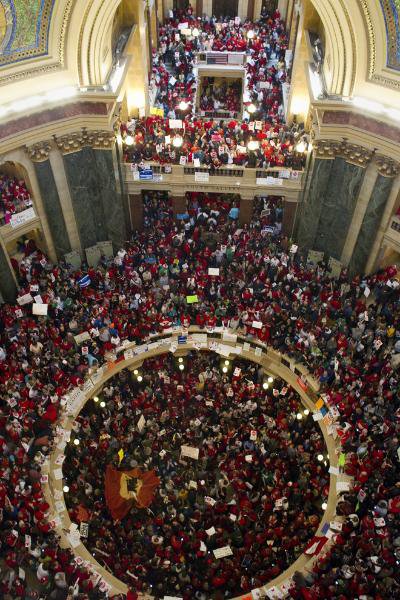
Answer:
(199, 299)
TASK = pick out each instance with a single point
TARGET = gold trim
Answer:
(31, 72)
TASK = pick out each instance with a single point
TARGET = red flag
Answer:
(124, 489)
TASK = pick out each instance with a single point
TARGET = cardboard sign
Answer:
(201, 177)
(192, 299)
(175, 124)
(222, 552)
(213, 272)
(257, 324)
(190, 452)
(26, 299)
(141, 423)
(40, 309)
(211, 531)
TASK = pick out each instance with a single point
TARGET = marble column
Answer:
(390, 208)
(312, 204)
(136, 211)
(246, 210)
(64, 195)
(370, 224)
(112, 201)
(8, 286)
(179, 205)
(87, 201)
(337, 207)
(51, 203)
(282, 7)
(370, 177)
(289, 215)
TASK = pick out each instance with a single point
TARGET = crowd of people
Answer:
(220, 96)
(201, 137)
(346, 332)
(14, 197)
(256, 486)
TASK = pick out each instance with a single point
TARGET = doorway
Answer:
(225, 8)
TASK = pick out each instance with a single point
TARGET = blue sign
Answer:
(182, 339)
(146, 174)
(182, 216)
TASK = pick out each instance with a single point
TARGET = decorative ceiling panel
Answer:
(24, 29)
(391, 11)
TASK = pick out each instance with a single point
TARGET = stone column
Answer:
(371, 174)
(136, 211)
(179, 205)
(60, 178)
(289, 215)
(8, 284)
(389, 209)
(39, 155)
(257, 9)
(246, 210)
(311, 205)
(242, 9)
(89, 168)
(282, 7)
(339, 201)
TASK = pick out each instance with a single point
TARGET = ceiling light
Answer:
(181, 366)
(251, 108)
(102, 404)
(320, 457)
(224, 369)
(265, 385)
(65, 489)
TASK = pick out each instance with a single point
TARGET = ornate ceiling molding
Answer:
(50, 64)
(39, 152)
(387, 167)
(372, 74)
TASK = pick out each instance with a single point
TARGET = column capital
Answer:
(39, 152)
(387, 167)
(352, 153)
(75, 141)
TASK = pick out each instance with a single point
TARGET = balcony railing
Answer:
(275, 179)
(221, 59)
(392, 234)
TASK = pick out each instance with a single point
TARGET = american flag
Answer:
(217, 58)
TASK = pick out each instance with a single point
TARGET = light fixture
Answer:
(251, 108)
(136, 372)
(102, 404)
(265, 385)
(177, 141)
(299, 416)
(76, 442)
(129, 141)
(65, 489)
(320, 457)
(324, 506)
(183, 105)
(227, 363)
(180, 360)
(300, 147)
(181, 366)
(140, 378)
(95, 398)
(306, 411)
(250, 34)
(270, 379)
(253, 145)
(224, 369)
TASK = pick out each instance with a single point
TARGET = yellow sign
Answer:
(158, 112)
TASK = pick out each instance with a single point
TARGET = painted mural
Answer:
(391, 11)
(24, 29)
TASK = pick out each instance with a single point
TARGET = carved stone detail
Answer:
(356, 154)
(73, 142)
(350, 152)
(387, 167)
(327, 148)
(39, 152)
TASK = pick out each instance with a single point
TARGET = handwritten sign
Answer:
(222, 552)
(190, 452)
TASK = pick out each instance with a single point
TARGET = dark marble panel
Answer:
(337, 207)
(52, 206)
(8, 287)
(311, 208)
(85, 189)
(111, 200)
(369, 228)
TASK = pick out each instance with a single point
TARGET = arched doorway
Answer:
(225, 8)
